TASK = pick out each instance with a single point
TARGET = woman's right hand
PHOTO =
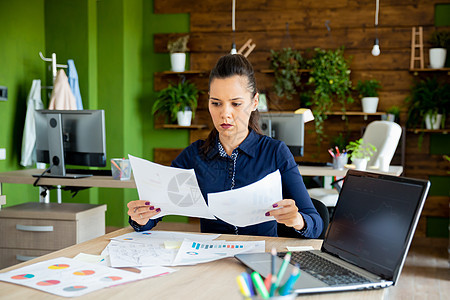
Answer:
(141, 211)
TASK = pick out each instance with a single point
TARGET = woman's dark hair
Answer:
(228, 66)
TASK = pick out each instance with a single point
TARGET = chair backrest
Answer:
(384, 135)
(324, 214)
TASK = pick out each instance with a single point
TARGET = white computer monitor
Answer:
(70, 137)
(285, 126)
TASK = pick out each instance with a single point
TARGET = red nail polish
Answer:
(275, 205)
(267, 214)
(152, 207)
(147, 203)
(158, 209)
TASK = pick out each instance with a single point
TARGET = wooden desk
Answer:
(329, 171)
(26, 177)
(214, 280)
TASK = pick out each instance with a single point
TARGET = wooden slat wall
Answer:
(352, 26)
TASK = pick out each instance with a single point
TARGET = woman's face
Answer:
(230, 106)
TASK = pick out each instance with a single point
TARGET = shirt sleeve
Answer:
(294, 188)
(150, 224)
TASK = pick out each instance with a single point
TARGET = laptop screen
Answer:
(374, 221)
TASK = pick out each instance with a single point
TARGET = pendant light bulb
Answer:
(233, 49)
(376, 48)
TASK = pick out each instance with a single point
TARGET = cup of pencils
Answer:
(340, 158)
(120, 168)
(252, 286)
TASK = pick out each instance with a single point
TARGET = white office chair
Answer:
(384, 135)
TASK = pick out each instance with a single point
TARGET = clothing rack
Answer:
(55, 65)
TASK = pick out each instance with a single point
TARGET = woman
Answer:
(236, 154)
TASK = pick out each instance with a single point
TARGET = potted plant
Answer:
(361, 153)
(178, 48)
(393, 114)
(177, 102)
(286, 64)
(330, 78)
(368, 92)
(440, 41)
(428, 104)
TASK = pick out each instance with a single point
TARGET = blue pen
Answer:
(249, 282)
(287, 287)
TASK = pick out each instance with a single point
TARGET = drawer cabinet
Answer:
(32, 229)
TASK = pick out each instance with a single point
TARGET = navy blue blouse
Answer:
(258, 156)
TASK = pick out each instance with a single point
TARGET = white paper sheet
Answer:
(149, 235)
(122, 254)
(247, 205)
(195, 252)
(68, 277)
(174, 190)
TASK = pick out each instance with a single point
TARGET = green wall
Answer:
(21, 38)
(111, 42)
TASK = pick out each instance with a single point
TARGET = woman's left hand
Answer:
(287, 214)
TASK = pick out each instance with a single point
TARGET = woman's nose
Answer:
(225, 113)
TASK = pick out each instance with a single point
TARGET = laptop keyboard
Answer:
(324, 270)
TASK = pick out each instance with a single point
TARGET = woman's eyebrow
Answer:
(233, 99)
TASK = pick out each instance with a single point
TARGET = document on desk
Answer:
(174, 190)
(247, 205)
(151, 235)
(68, 277)
(195, 252)
(148, 248)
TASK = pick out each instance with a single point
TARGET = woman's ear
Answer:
(255, 101)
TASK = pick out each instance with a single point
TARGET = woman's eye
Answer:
(236, 104)
(215, 103)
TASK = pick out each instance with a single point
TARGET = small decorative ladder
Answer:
(417, 34)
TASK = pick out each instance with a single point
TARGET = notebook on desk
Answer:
(368, 238)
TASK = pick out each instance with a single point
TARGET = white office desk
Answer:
(329, 171)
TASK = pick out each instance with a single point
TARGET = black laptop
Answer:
(368, 238)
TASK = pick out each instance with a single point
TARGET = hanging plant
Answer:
(330, 79)
(286, 64)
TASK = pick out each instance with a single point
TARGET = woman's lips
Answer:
(226, 126)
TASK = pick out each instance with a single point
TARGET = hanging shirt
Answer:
(62, 97)
(73, 82)
(34, 103)
(256, 157)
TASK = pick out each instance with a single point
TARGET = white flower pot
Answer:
(433, 121)
(360, 163)
(184, 117)
(437, 57)
(178, 61)
(369, 104)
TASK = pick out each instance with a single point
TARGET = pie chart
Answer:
(182, 190)
(111, 278)
(23, 276)
(58, 266)
(84, 272)
(48, 282)
(74, 288)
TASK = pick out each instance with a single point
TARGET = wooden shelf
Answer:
(270, 71)
(416, 71)
(354, 113)
(194, 72)
(443, 131)
(174, 126)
